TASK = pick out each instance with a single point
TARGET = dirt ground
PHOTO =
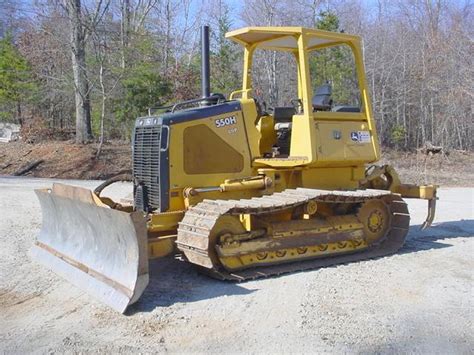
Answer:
(455, 169)
(66, 160)
(419, 300)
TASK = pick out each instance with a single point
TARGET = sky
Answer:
(29, 8)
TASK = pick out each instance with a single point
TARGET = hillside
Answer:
(67, 160)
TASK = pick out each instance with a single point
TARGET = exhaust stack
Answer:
(205, 66)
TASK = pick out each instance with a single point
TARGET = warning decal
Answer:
(360, 136)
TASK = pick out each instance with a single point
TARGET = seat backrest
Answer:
(322, 98)
(283, 114)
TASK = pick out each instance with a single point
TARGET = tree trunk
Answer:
(166, 51)
(102, 112)
(124, 30)
(81, 84)
(18, 113)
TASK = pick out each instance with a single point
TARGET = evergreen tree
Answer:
(334, 64)
(143, 87)
(142, 84)
(225, 76)
(16, 85)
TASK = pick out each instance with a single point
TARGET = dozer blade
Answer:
(100, 250)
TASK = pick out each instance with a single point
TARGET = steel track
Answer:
(195, 228)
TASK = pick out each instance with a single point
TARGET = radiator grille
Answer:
(146, 162)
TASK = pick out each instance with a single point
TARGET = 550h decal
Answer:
(227, 121)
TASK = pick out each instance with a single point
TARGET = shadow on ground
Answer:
(173, 281)
(431, 238)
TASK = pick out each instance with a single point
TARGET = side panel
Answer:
(213, 157)
(343, 143)
(218, 152)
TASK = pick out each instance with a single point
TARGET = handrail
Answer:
(183, 103)
(233, 93)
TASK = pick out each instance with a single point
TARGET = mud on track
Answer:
(420, 299)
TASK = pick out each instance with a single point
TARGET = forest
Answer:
(87, 69)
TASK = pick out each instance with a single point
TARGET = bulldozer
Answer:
(238, 190)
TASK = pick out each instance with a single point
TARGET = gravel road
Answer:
(419, 300)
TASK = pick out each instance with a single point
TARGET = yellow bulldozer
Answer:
(239, 190)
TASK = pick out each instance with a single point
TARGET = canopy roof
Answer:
(286, 38)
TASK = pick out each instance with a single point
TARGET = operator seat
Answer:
(322, 99)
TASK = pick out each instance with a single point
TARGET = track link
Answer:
(195, 228)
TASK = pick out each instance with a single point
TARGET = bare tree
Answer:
(124, 29)
(80, 27)
(418, 58)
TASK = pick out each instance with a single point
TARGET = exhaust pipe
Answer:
(205, 66)
(207, 98)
